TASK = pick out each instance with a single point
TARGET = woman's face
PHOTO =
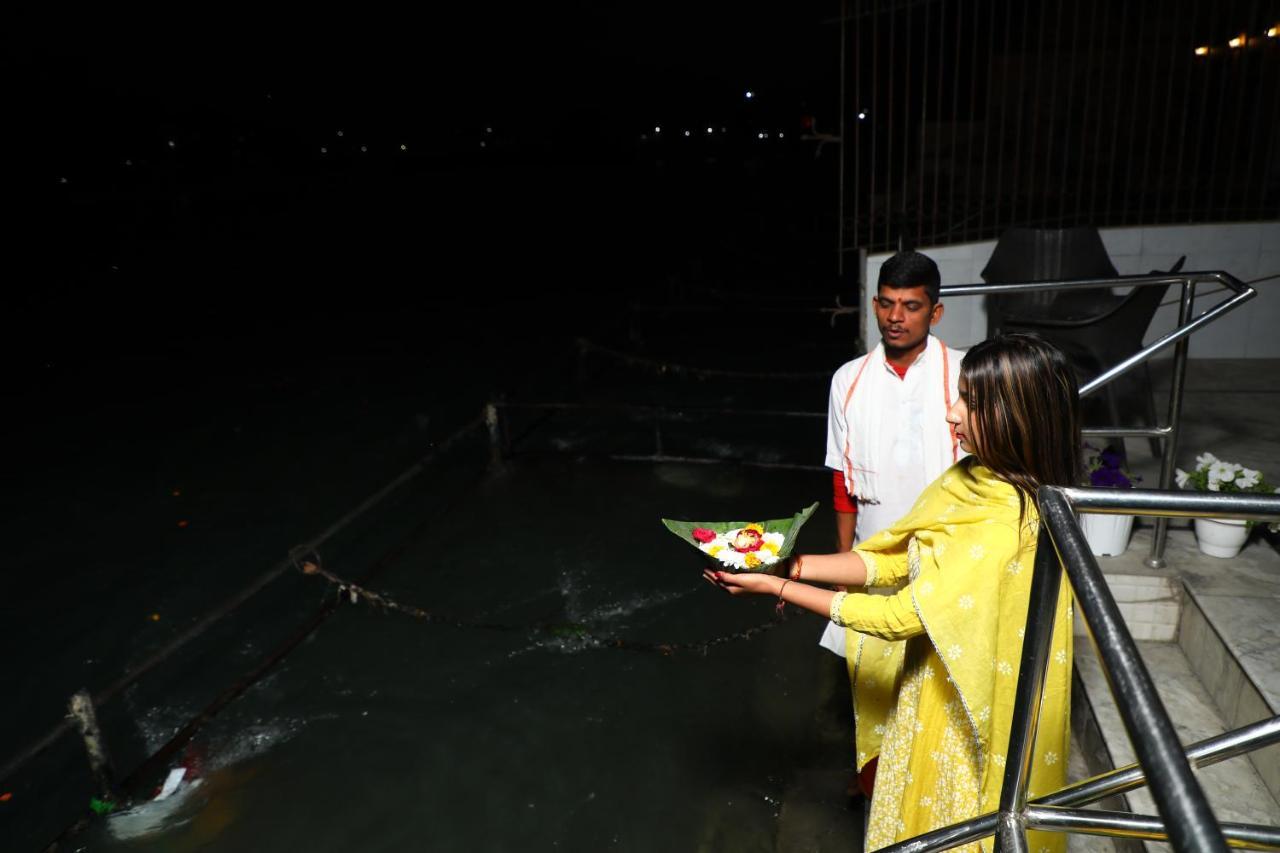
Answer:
(961, 421)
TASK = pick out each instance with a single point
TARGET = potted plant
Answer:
(1108, 535)
(1223, 537)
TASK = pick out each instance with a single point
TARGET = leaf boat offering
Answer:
(743, 546)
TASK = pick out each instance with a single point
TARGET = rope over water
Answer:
(308, 562)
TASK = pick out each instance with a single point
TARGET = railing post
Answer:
(1155, 559)
(1046, 585)
(580, 364)
(106, 794)
(1179, 797)
(492, 420)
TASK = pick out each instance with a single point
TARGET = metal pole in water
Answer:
(491, 420)
(86, 720)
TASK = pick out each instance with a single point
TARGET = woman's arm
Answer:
(889, 617)
(844, 569)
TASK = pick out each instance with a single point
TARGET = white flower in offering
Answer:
(742, 548)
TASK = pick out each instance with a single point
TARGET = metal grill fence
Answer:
(964, 117)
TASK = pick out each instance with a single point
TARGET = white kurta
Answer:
(904, 467)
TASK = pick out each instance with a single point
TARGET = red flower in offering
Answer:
(702, 534)
(748, 539)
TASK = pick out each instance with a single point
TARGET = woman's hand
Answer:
(742, 582)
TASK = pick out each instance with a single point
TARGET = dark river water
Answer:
(135, 511)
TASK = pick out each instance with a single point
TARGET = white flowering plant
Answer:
(1214, 475)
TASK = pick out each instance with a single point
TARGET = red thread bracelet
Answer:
(781, 604)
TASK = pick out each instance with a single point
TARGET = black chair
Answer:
(1098, 341)
(1047, 254)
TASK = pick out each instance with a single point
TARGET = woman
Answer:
(934, 666)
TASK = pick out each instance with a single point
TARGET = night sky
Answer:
(167, 164)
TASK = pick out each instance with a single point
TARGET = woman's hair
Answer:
(1024, 404)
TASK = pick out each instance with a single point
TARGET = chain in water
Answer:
(573, 636)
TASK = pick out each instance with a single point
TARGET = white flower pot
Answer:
(1221, 537)
(1108, 535)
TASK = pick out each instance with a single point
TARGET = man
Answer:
(887, 435)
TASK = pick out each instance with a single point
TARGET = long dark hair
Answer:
(1024, 404)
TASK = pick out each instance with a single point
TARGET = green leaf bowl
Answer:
(788, 527)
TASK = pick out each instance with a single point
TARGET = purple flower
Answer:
(1109, 478)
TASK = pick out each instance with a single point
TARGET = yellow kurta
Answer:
(935, 665)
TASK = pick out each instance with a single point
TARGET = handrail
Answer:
(1202, 754)
(1177, 338)
(1186, 819)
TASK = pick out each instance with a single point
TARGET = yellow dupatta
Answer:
(968, 561)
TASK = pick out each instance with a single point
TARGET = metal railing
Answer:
(1185, 819)
(1177, 338)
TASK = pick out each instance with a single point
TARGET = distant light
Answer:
(759, 136)
(749, 94)
(128, 162)
(62, 180)
(340, 133)
(483, 144)
(488, 130)
(724, 130)
(172, 144)
(657, 128)
(1238, 41)
(363, 149)
(324, 150)
(710, 130)
(404, 147)
(1273, 32)
(862, 115)
(780, 134)
(686, 133)
(1202, 51)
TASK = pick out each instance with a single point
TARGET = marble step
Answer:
(1229, 632)
(1235, 789)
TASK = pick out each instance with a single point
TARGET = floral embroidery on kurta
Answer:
(942, 741)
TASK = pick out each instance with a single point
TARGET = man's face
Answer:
(905, 315)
